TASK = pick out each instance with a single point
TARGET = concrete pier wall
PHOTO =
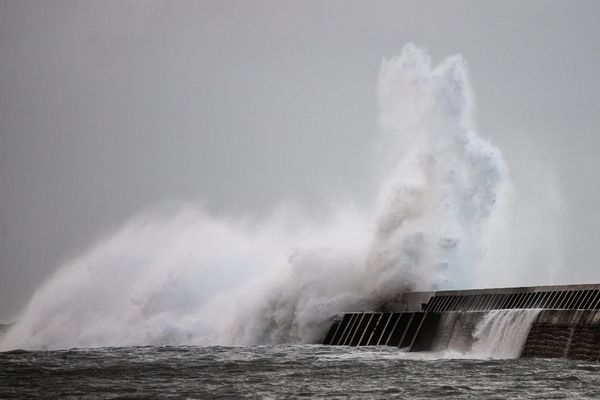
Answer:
(565, 334)
(448, 330)
(568, 325)
(374, 329)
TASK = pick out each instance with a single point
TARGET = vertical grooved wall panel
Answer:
(385, 317)
(342, 329)
(391, 324)
(351, 326)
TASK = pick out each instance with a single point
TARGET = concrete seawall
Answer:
(564, 333)
(551, 321)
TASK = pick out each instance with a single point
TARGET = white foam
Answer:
(502, 333)
(187, 277)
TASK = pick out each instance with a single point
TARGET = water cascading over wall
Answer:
(545, 321)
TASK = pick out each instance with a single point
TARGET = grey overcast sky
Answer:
(108, 107)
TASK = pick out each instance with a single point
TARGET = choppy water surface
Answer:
(285, 372)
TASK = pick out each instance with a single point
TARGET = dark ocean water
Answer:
(280, 372)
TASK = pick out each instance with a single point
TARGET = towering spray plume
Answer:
(436, 203)
(191, 278)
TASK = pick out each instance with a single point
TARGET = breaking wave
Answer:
(187, 277)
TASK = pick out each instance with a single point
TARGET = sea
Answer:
(287, 372)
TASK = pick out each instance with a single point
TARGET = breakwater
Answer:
(544, 321)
